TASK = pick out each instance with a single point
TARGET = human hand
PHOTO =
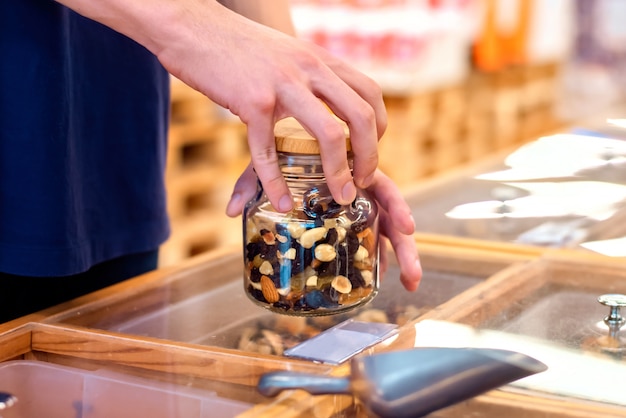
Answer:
(398, 226)
(263, 75)
(396, 222)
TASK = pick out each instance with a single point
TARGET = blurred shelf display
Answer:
(408, 47)
(207, 151)
(444, 108)
(417, 46)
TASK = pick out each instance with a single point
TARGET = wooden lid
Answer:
(292, 137)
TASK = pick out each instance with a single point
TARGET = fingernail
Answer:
(285, 204)
(348, 193)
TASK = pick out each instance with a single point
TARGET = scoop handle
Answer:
(271, 384)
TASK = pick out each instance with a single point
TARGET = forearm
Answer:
(156, 24)
(277, 16)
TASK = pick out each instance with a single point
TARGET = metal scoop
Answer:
(414, 382)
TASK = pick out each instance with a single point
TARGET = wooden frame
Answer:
(64, 334)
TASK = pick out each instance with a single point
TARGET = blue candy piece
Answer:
(285, 274)
(314, 299)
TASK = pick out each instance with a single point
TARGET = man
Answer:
(84, 109)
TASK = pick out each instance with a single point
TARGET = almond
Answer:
(268, 237)
(368, 240)
(270, 293)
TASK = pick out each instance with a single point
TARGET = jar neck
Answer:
(305, 178)
(301, 170)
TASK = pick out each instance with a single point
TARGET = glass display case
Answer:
(562, 190)
(183, 327)
(562, 309)
(206, 305)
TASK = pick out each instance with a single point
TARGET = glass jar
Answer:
(320, 258)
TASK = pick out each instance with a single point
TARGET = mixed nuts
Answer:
(311, 266)
(277, 333)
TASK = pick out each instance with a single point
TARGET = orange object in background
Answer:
(496, 47)
(514, 44)
(487, 48)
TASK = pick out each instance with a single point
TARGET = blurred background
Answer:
(463, 79)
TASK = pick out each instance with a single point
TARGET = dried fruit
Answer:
(290, 254)
(311, 281)
(356, 296)
(341, 233)
(274, 341)
(331, 254)
(369, 241)
(315, 299)
(364, 233)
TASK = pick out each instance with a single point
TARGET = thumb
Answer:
(245, 188)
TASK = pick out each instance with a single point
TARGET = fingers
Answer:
(389, 197)
(306, 88)
(361, 117)
(245, 188)
(314, 116)
(383, 261)
(363, 85)
(265, 161)
(406, 253)
(396, 223)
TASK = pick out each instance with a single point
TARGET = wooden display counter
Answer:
(183, 326)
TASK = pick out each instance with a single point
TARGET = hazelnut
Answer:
(290, 254)
(266, 268)
(368, 277)
(325, 252)
(361, 254)
(341, 284)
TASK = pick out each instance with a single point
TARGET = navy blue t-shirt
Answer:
(83, 126)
